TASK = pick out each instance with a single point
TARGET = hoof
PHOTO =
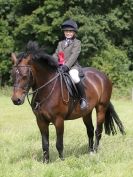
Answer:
(46, 161)
(92, 153)
(95, 149)
(61, 157)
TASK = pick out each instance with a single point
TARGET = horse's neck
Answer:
(42, 76)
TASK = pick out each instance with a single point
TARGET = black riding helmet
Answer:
(69, 25)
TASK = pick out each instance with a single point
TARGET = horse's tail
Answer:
(111, 117)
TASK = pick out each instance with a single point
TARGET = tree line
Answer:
(105, 31)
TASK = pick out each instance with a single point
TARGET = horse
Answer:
(52, 103)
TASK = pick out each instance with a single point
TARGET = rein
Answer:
(35, 104)
(59, 74)
(47, 83)
(38, 89)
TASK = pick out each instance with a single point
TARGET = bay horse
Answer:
(51, 100)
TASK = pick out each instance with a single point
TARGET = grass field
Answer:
(21, 153)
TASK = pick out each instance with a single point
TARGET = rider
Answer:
(67, 53)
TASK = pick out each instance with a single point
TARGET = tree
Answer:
(102, 24)
(114, 62)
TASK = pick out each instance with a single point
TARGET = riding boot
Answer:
(83, 101)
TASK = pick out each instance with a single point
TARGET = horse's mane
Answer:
(39, 55)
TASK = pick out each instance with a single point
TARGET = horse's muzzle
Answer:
(18, 101)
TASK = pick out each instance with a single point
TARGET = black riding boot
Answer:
(83, 101)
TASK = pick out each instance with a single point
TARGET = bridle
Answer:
(36, 91)
(27, 86)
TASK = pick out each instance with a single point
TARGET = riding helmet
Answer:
(69, 25)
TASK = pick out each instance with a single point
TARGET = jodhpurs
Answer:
(74, 73)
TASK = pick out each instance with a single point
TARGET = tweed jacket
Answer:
(71, 52)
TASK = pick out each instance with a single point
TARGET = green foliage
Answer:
(92, 36)
(114, 62)
(6, 47)
(99, 22)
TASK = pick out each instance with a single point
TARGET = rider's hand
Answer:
(64, 68)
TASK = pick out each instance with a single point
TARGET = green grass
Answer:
(21, 153)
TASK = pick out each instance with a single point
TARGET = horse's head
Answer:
(23, 73)
(21, 76)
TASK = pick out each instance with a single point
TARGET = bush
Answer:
(115, 63)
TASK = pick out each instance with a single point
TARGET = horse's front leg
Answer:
(59, 125)
(44, 129)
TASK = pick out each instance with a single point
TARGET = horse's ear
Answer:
(13, 58)
(29, 58)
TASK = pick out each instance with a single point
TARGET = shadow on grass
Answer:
(68, 152)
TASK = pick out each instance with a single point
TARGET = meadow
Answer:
(21, 152)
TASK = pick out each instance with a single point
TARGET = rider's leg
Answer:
(83, 101)
(74, 73)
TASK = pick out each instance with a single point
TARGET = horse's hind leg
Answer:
(90, 130)
(100, 110)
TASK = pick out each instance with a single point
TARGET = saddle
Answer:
(72, 90)
(71, 86)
